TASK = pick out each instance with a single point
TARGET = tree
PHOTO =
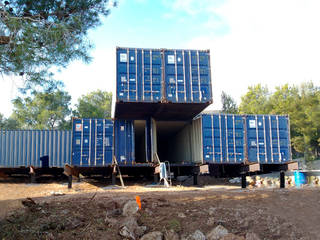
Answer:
(44, 110)
(96, 104)
(255, 101)
(228, 104)
(36, 35)
(301, 103)
(8, 123)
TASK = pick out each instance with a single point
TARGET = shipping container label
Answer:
(171, 59)
(107, 142)
(123, 57)
(78, 127)
(252, 123)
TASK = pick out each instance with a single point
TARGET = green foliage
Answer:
(36, 35)
(96, 104)
(8, 123)
(228, 104)
(301, 103)
(43, 110)
(255, 101)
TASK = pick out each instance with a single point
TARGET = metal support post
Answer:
(282, 179)
(243, 180)
(195, 179)
(70, 181)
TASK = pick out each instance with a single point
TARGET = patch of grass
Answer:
(174, 224)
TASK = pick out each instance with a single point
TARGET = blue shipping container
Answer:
(133, 141)
(268, 138)
(23, 148)
(223, 138)
(245, 138)
(186, 78)
(139, 75)
(92, 142)
(124, 141)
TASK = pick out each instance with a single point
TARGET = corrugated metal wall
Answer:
(223, 138)
(25, 147)
(187, 76)
(124, 141)
(92, 142)
(229, 138)
(268, 138)
(139, 75)
(154, 75)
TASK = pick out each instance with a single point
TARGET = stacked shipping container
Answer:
(158, 82)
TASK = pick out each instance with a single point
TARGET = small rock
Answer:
(130, 208)
(111, 222)
(231, 236)
(212, 211)
(171, 235)
(181, 215)
(197, 235)
(152, 236)
(252, 236)
(131, 224)
(140, 230)
(126, 233)
(210, 221)
(217, 233)
(114, 213)
(53, 193)
(148, 212)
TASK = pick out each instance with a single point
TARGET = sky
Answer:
(271, 42)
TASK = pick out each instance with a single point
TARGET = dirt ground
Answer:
(58, 213)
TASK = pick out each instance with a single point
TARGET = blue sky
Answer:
(251, 41)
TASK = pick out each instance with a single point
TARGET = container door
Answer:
(195, 77)
(284, 138)
(154, 149)
(156, 76)
(176, 72)
(257, 137)
(279, 139)
(81, 144)
(127, 75)
(205, 76)
(108, 142)
(124, 141)
(208, 139)
(234, 139)
(151, 63)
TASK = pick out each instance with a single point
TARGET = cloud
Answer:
(269, 42)
(81, 78)
(192, 7)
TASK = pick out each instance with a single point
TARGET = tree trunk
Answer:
(4, 40)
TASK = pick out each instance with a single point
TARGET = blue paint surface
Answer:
(226, 138)
(92, 142)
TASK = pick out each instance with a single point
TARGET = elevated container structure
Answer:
(162, 83)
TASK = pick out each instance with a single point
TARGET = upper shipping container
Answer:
(23, 148)
(92, 142)
(158, 82)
